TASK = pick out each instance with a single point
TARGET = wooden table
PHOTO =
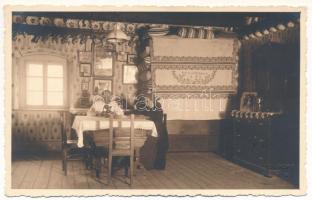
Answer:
(91, 123)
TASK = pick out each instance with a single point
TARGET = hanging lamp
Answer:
(117, 35)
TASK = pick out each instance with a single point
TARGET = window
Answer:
(45, 82)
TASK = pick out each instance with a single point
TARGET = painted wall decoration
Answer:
(105, 26)
(94, 25)
(24, 45)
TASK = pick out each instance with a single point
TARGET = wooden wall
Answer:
(289, 40)
(289, 37)
(193, 135)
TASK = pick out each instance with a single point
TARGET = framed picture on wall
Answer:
(84, 102)
(122, 57)
(85, 56)
(100, 85)
(84, 86)
(130, 74)
(85, 69)
(248, 101)
(103, 62)
(131, 59)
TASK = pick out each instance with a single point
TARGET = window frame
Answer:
(45, 60)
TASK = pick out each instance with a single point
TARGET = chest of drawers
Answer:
(258, 142)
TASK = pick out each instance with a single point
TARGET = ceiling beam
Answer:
(237, 20)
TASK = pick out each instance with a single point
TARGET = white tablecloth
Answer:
(89, 123)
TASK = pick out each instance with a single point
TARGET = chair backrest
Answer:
(122, 138)
(101, 138)
(165, 120)
(66, 121)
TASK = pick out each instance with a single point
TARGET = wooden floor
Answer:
(184, 171)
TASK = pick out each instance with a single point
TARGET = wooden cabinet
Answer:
(257, 143)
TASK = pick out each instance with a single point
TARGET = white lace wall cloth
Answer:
(188, 66)
(194, 50)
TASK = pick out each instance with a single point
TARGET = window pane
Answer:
(34, 84)
(55, 70)
(34, 69)
(55, 98)
(55, 84)
(34, 98)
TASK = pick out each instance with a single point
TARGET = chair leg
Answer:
(137, 165)
(131, 170)
(135, 162)
(90, 161)
(86, 160)
(110, 159)
(126, 171)
(98, 166)
(65, 163)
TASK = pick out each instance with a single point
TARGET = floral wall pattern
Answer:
(42, 128)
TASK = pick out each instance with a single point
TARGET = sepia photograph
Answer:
(218, 106)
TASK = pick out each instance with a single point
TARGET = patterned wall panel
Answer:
(37, 128)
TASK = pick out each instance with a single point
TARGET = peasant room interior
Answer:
(150, 100)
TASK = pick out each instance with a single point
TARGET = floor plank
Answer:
(68, 181)
(19, 174)
(44, 172)
(56, 175)
(31, 174)
(80, 178)
(183, 171)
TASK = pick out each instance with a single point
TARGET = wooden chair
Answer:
(100, 144)
(70, 149)
(121, 143)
